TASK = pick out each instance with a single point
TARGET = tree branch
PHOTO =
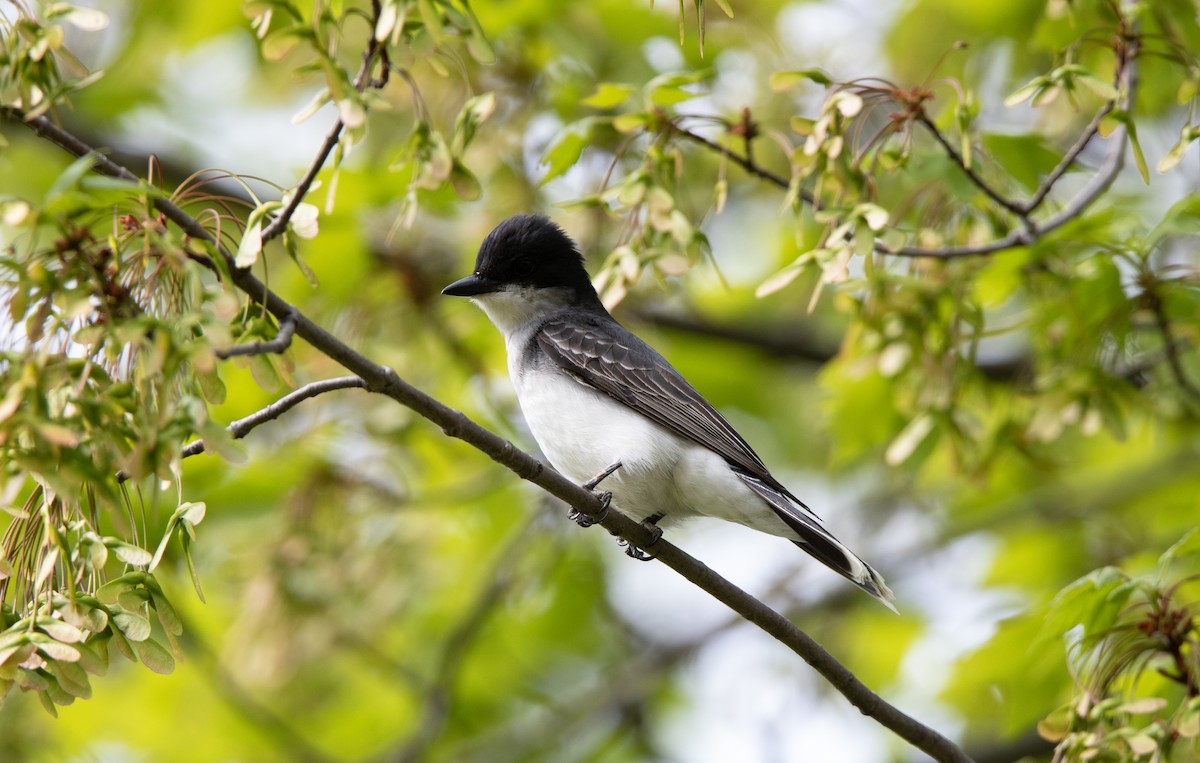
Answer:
(282, 340)
(244, 426)
(791, 343)
(1068, 158)
(386, 381)
(375, 48)
(1032, 230)
(1171, 346)
(1025, 746)
(259, 715)
(745, 162)
(438, 697)
(1015, 207)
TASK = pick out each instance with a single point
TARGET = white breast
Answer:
(583, 431)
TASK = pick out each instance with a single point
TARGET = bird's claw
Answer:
(633, 552)
(594, 481)
(583, 520)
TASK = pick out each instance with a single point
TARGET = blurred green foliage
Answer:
(1016, 429)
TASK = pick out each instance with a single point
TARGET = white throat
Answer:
(513, 307)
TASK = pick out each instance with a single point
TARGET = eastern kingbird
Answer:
(597, 397)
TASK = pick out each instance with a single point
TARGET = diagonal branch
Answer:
(1171, 346)
(436, 704)
(385, 381)
(794, 343)
(226, 686)
(745, 162)
(1126, 79)
(1032, 230)
(244, 426)
(375, 49)
(1016, 207)
(282, 340)
(1068, 159)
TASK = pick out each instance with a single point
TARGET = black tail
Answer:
(820, 544)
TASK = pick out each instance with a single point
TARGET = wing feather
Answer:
(631, 372)
(624, 367)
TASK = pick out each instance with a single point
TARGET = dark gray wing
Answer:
(609, 358)
(624, 367)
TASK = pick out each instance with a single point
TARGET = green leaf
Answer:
(786, 80)
(16, 651)
(783, 277)
(1093, 601)
(670, 95)
(909, 438)
(466, 186)
(30, 680)
(1098, 86)
(72, 678)
(59, 630)
(478, 44)
(154, 656)
(474, 113)
(93, 656)
(1143, 706)
(70, 178)
(1139, 157)
(627, 123)
(132, 625)
(1186, 549)
(564, 153)
(48, 704)
(129, 553)
(167, 616)
(669, 89)
(1026, 92)
(122, 644)
(110, 592)
(53, 649)
(191, 565)
(608, 95)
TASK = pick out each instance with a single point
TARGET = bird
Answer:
(605, 406)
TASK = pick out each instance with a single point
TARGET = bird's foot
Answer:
(645, 554)
(594, 481)
(583, 520)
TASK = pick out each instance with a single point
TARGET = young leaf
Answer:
(608, 95)
(563, 154)
(154, 656)
(132, 626)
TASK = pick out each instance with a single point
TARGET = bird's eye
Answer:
(523, 267)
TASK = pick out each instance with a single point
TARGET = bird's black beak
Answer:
(471, 286)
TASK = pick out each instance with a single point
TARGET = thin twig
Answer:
(795, 343)
(1032, 230)
(438, 698)
(282, 340)
(1017, 208)
(1068, 159)
(745, 162)
(244, 426)
(1126, 78)
(1171, 346)
(1029, 744)
(259, 715)
(386, 381)
(361, 81)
